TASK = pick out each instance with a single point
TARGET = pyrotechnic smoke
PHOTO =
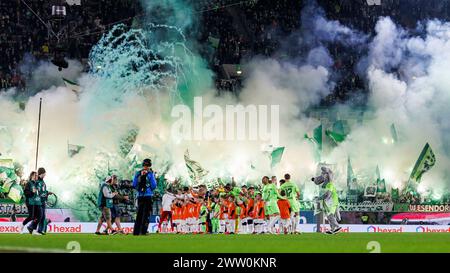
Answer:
(126, 89)
(41, 75)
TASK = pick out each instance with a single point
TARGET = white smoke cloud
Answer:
(41, 75)
(408, 87)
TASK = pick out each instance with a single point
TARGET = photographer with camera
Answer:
(144, 182)
(105, 203)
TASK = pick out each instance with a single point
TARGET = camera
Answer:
(125, 188)
(125, 185)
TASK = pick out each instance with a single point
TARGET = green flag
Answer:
(72, 85)
(73, 149)
(214, 41)
(7, 178)
(134, 164)
(377, 173)
(316, 139)
(8, 184)
(395, 194)
(424, 163)
(15, 193)
(336, 137)
(276, 155)
(381, 185)
(196, 172)
(317, 135)
(350, 174)
(340, 127)
(339, 131)
(394, 133)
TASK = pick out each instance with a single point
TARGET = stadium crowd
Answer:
(84, 29)
(236, 31)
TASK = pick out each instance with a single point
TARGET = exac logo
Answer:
(9, 229)
(229, 123)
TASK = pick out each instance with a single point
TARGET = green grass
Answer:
(163, 243)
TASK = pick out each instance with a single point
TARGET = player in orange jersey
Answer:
(196, 213)
(223, 216)
(231, 223)
(260, 221)
(176, 216)
(190, 215)
(185, 217)
(250, 210)
(285, 213)
(242, 227)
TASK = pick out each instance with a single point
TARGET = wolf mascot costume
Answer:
(328, 199)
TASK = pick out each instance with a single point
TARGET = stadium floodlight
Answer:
(59, 11)
(238, 70)
(373, 2)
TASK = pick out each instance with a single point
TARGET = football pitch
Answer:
(173, 243)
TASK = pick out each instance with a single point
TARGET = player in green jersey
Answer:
(292, 195)
(270, 197)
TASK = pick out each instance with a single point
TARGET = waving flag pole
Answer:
(424, 163)
(38, 132)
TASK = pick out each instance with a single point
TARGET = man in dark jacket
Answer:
(144, 182)
(28, 193)
(42, 189)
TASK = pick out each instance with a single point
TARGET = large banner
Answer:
(74, 227)
(7, 209)
(21, 212)
(429, 208)
(422, 208)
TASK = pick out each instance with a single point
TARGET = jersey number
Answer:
(289, 192)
